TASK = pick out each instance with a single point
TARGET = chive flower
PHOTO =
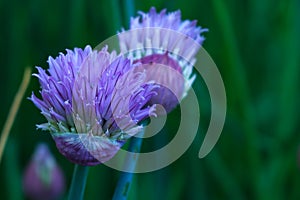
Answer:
(43, 178)
(93, 102)
(159, 40)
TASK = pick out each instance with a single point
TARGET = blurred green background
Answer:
(255, 44)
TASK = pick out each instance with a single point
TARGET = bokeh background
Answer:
(256, 46)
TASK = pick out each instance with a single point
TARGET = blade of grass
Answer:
(12, 171)
(288, 116)
(230, 186)
(290, 77)
(239, 86)
(14, 109)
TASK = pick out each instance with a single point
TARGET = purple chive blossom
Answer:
(93, 102)
(160, 38)
(43, 179)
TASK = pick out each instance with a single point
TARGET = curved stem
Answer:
(14, 109)
(78, 182)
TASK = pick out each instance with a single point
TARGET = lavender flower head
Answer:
(159, 40)
(43, 178)
(93, 101)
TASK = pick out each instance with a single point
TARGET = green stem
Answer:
(78, 182)
(77, 21)
(129, 11)
(116, 15)
(125, 180)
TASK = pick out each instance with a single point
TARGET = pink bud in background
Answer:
(43, 178)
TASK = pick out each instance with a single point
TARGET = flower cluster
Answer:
(83, 93)
(95, 100)
(166, 46)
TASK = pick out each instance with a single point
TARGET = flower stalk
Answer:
(125, 180)
(129, 10)
(78, 182)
